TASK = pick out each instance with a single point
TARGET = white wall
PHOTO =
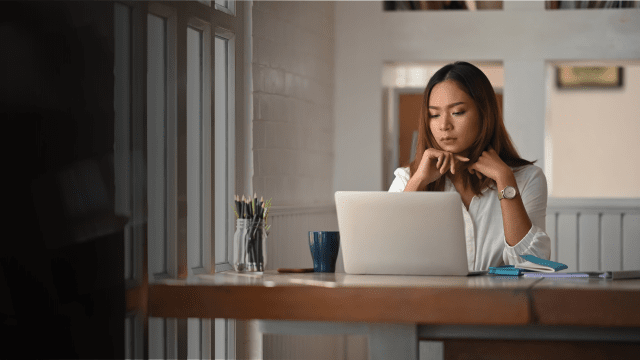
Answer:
(524, 36)
(358, 96)
(293, 85)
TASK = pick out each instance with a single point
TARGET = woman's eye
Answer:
(433, 116)
(459, 113)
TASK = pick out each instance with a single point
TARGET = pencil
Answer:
(253, 202)
(244, 207)
(261, 203)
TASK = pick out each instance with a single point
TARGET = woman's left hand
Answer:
(490, 165)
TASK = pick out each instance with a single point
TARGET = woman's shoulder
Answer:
(527, 173)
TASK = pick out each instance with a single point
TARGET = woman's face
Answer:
(453, 117)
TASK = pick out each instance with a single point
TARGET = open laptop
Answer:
(402, 233)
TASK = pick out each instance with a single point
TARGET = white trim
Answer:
(223, 267)
(302, 209)
(231, 10)
(248, 97)
(595, 204)
(225, 152)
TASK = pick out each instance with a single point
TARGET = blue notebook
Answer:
(506, 270)
(532, 264)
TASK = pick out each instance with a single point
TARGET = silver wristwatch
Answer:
(509, 192)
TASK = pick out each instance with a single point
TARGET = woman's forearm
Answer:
(515, 219)
(415, 184)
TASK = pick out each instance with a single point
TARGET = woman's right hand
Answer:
(436, 163)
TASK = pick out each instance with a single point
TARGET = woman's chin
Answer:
(452, 148)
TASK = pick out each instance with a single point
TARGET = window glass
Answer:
(194, 148)
(156, 142)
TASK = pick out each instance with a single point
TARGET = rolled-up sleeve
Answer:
(533, 190)
(401, 180)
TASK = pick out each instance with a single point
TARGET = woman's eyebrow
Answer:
(448, 106)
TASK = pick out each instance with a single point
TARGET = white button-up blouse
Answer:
(484, 231)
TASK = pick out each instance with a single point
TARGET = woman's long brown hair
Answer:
(492, 131)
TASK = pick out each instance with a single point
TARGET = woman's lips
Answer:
(447, 140)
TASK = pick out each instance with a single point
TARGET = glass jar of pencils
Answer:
(249, 246)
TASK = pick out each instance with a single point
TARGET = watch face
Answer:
(509, 192)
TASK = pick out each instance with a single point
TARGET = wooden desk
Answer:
(427, 307)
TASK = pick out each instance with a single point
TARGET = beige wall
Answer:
(293, 101)
(594, 139)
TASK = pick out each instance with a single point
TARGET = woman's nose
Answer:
(445, 124)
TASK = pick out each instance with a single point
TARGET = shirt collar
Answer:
(448, 186)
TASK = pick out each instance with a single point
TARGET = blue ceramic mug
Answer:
(324, 247)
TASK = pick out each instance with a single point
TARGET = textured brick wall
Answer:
(293, 56)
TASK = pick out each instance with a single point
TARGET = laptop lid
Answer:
(401, 233)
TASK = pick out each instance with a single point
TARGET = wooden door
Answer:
(409, 116)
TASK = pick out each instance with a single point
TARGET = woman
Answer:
(463, 146)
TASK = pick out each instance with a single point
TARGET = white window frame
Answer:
(170, 336)
(205, 144)
(225, 157)
(230, 9)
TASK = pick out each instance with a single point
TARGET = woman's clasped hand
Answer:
(436, 163)
(490, 165)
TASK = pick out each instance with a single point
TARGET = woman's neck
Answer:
(466, 193)
(457, 181)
